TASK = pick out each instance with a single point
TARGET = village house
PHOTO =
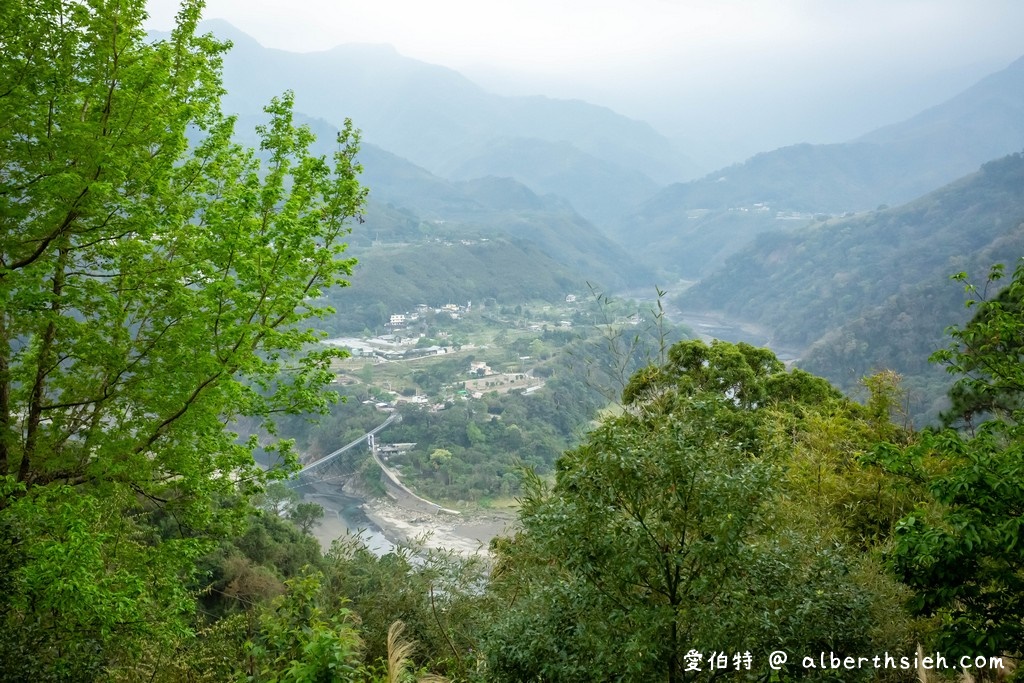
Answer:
(475, 367)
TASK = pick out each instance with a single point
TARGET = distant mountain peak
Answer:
(225, 30)
(692, 226)
(965, 111)
(435, 116)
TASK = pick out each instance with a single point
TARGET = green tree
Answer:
(276, 499)
(441, 461)
(306, 516)
(300, 639)
(961, 550)
(988, 354)
(669, 530)
(156, 280)
(436, 594)
(475, 435)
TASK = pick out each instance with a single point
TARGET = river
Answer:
(343, 515)
(711, 325)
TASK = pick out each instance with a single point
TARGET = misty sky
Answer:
(726, 77)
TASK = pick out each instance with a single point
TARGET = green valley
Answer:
(499, 388)
(281, 403)
(872, 292)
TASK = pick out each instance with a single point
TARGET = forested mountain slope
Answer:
(409, 205)
(599, 189)
(425, 239)
(873, 290)
(690, 226)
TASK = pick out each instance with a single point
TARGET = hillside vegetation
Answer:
(872, 291)
(163, 290)
(395, 279)
(688, 226)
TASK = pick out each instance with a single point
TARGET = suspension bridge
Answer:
(319, 471)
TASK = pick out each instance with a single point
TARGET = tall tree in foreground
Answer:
(152, 290)
(962, 550)
(677, 538)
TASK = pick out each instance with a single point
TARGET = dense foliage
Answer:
(870, 292)
(668, 532)
(158, 282)
(961, 549)
(152, 290)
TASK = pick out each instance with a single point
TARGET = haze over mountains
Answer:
(563, 193)
(604, 163)
(438, 119)
(892, 165)
(872, 291)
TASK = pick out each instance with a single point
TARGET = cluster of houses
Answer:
(381, 355)
(482, 379)
(486, 379)
(454, 311)
(388, 347)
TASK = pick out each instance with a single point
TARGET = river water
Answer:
(710, 326)
(343, 515)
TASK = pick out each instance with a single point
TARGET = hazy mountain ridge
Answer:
(496, 207)
(599, 190)
(893, 259)
(867, 255)
(889, 166)
(430, 114)
(689, 229)
(410, 205)
(872, 291)
(966, 117)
